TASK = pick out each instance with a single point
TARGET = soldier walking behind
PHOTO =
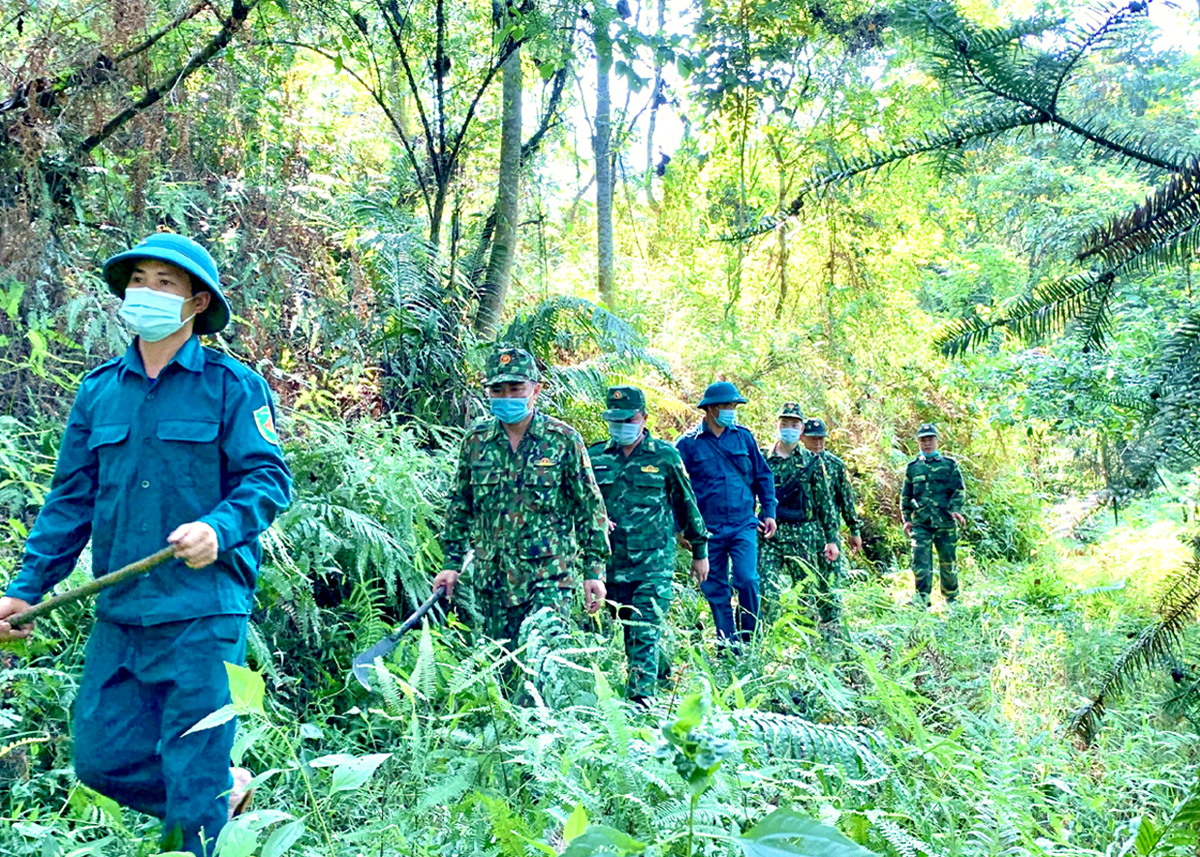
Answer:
(729, 474)
(839, 480)
(524, 497)
(647, 494)
(808, 523)
(931, 505)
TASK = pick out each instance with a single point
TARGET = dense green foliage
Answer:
(810, 198)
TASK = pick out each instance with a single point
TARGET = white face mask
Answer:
(153, 315)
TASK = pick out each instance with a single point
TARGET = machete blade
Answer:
(365, 662)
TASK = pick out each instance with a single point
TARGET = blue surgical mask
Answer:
(510, 410)
(624, 434)
(790, 436)
(726, 417)
(152, 315)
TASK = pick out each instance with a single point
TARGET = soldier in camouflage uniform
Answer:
(526, 500)
(931, 504)
(806, 542)
(839, 480)
(647, 495)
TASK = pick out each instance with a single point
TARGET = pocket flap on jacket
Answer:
(104, 435)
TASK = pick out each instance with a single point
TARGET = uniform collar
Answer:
(190, 356)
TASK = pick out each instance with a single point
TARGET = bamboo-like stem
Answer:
(91, 587)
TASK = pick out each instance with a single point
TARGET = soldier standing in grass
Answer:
(839, 481)
(729, 476)
(526, 500)
(647, 495)
(931, 505)
(171, 442)
(808, 523)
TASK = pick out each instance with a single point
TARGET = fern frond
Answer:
(1179, 606)
(1159, 232)
(790, 737)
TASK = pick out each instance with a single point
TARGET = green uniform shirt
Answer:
(933, 488)
(531, 515)
(843, 494)
(647, 495)
(803, 491)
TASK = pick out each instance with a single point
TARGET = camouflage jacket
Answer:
(648, 496)
(933, 488)
(802, 489)
(843, 494)
(531, 515)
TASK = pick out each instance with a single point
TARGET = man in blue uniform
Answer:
(728, 474)
(170, 443)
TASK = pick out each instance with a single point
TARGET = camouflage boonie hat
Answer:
(508, 364)
(623, 403)
(791, 409)
(814, 428)
(927, 430)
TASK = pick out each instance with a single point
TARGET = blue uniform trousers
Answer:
(733, 559)
(142, 688)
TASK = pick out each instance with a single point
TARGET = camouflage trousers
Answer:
(643, 606)
(945, 540)
(503, 622)
(795, 554)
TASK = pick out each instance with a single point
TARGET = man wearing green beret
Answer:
(172, 442)
(839, 481)
(807, 533)
(931, 505)
(525, 498)
(647, 495)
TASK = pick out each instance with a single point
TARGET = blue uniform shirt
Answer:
(141, 457)
(727, 473)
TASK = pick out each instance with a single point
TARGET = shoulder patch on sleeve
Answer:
(266, 425)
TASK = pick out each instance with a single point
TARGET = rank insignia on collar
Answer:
(649, 468)
(545, 462)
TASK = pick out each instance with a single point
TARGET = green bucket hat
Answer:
(791, 409)
(815, 428)
(182, 253)
(509, 364)
(720, 393)
(927, 430)
(623, 403)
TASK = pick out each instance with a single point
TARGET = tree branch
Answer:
(241, 10)
(186, 15)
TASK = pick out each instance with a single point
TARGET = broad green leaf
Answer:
(332, 760)
(282, 839)
(222, 715)
(1147, 837)
(349, 776)
(576, 824)
(691, 712)
(603, 688)
(601, 839)
(247, 689)
(237, 839)
(785, 833)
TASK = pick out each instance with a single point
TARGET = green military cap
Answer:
(623, 403)
(511, 364)
(791, 409)
(814, 428)
(927, 430)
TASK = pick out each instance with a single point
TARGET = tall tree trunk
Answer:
(504, 241)
(656, 96)
(601, 147)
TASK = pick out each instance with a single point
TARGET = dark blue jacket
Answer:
(141, 457)
(727, 473)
